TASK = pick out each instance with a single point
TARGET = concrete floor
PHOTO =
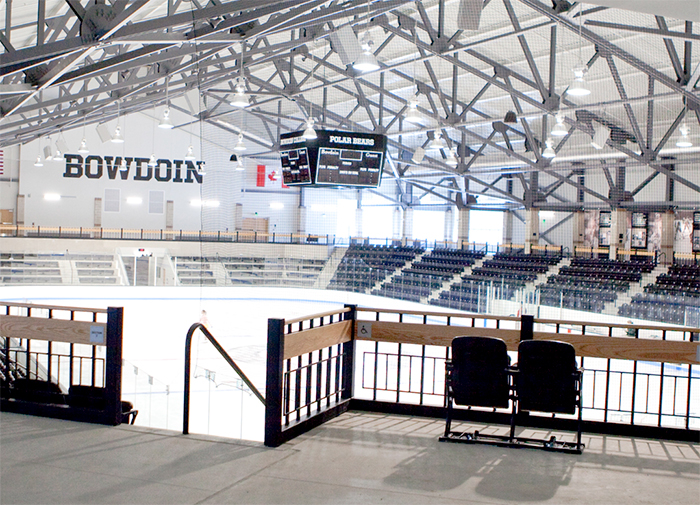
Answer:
(356, 458)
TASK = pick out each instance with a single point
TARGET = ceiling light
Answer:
(152, 162)
(134, 200)
(451, 158)
(190, 154)
(548, 152)
(240, 146)
(239, 166)
(38, 162)
(367, 61)
(276, 205)
(117, 137)
(578, 86)
(436, 143)
(683, 140)
(559, 129)
(52, 197)
(83, 149)
(600, 136)
(123, 166)
(510, 117)
(413, 116)
(310, 132)
(240, 99)
(165, 121)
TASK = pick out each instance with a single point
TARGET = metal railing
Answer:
(640, 380)
(188, 371)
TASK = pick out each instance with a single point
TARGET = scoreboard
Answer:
(335, 158)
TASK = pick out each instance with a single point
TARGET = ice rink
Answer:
(156, 321)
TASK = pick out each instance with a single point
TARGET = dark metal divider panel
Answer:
(305, 389)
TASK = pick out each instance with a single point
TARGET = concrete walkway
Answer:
(356, 458)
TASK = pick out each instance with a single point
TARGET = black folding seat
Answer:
(548, 380)
(477, 375)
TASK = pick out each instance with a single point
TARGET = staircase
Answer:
(329, 269)
(626, 297)
(456, 278)
(397, 272)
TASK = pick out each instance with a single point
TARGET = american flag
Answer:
(2, 162)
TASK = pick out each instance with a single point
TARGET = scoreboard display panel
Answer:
(334, 158)
(296, 165)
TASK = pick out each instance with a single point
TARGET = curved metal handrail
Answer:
(224, 354)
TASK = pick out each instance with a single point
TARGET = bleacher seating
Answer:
(363, 266)
(428, 274)
(590, 283)
(668, 299)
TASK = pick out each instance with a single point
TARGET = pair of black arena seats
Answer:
(545, 379)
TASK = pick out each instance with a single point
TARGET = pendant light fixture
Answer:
(437, 143)
(83, 149)
(683, 140)
(367, 61)
(413, 116)
(559, 129)
(240, 99)
(548, 151)
(117, 138)
(451, 159)
(165, 122)
(38, 162)
(240, 145)
(310, 131)
(152, 162)
(190, 154)
(578, 86)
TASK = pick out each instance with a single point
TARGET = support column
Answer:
(301, 214)
(667, 236)
(578, 229)
(449, 225)
(238, 216)
(463, 226)
(407, 234)
(532, 229)
(618, 231)
(397, 224)
(358, 215)
(508, 227)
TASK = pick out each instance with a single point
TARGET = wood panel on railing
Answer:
(628, 348)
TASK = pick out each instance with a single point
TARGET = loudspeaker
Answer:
(469, 14)
(418, 156)
(600, 136)
(103, 132)
(345, 43)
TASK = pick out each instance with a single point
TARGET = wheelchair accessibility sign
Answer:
(364, 329)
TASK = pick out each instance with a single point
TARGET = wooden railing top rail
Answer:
(619, 325)
(452, 315)
(317, 316)
(52, 307)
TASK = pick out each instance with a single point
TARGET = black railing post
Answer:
(113, 366)
(349, 356)
(273, 384)
(527, 324)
